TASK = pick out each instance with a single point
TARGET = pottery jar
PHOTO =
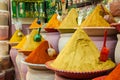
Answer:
(23, 71)
(117, 50)
(3, 5)
(64, 38)
(4, 47)
(98, 40)
(4, 15)
(53, 38)
(4, 32)
(5, 62)
(19, 58)
(2, 75)
(9, 74)
(13, 55)
(34, 74)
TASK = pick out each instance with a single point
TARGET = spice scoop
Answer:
(105, 51)
(18, 26)
(20, 34)
(58, 16)
(51, 51)
(37, 37)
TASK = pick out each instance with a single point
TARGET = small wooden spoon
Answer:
(105, 51)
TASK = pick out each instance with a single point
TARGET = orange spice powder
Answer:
(115, 74)
(53, 22)
(39, 55)
(35, 24)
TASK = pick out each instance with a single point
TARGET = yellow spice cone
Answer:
(16, 37)
(35, 24)
(95, 19)
(80, 55)
(21, 43)
(70, 20)
(30, 44)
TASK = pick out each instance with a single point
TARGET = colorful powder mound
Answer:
(40, 55)
(17, 36)
(80, 54)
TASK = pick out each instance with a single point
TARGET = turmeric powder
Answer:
(17, 36)
(70, 21)
(39, 55)
(96, 18)
(53, 22)
(80, 54)
(35, 24)
(30, 44)
(21, 43)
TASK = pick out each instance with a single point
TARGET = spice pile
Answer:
(17, 36)
(80, 55)
(96, 18)
(30, 44)
(53, 22)
(70, 21)
(115, 74)
(21, 43)
(35, 24)
(40, 54)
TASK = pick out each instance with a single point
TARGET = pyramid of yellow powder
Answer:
(30, 44)
(39, 55)
(96, 18)
(16, 37)
(70, 20)
(20, 44)
(80, 55)
(35, 24)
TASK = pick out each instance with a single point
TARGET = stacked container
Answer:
(5, 63)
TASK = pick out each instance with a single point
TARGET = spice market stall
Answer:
(64, 40)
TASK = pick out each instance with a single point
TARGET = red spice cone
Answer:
(39, 55)
(115, 74)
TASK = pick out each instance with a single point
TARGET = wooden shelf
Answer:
(25, 20)
(82, 4)
(29, 0)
